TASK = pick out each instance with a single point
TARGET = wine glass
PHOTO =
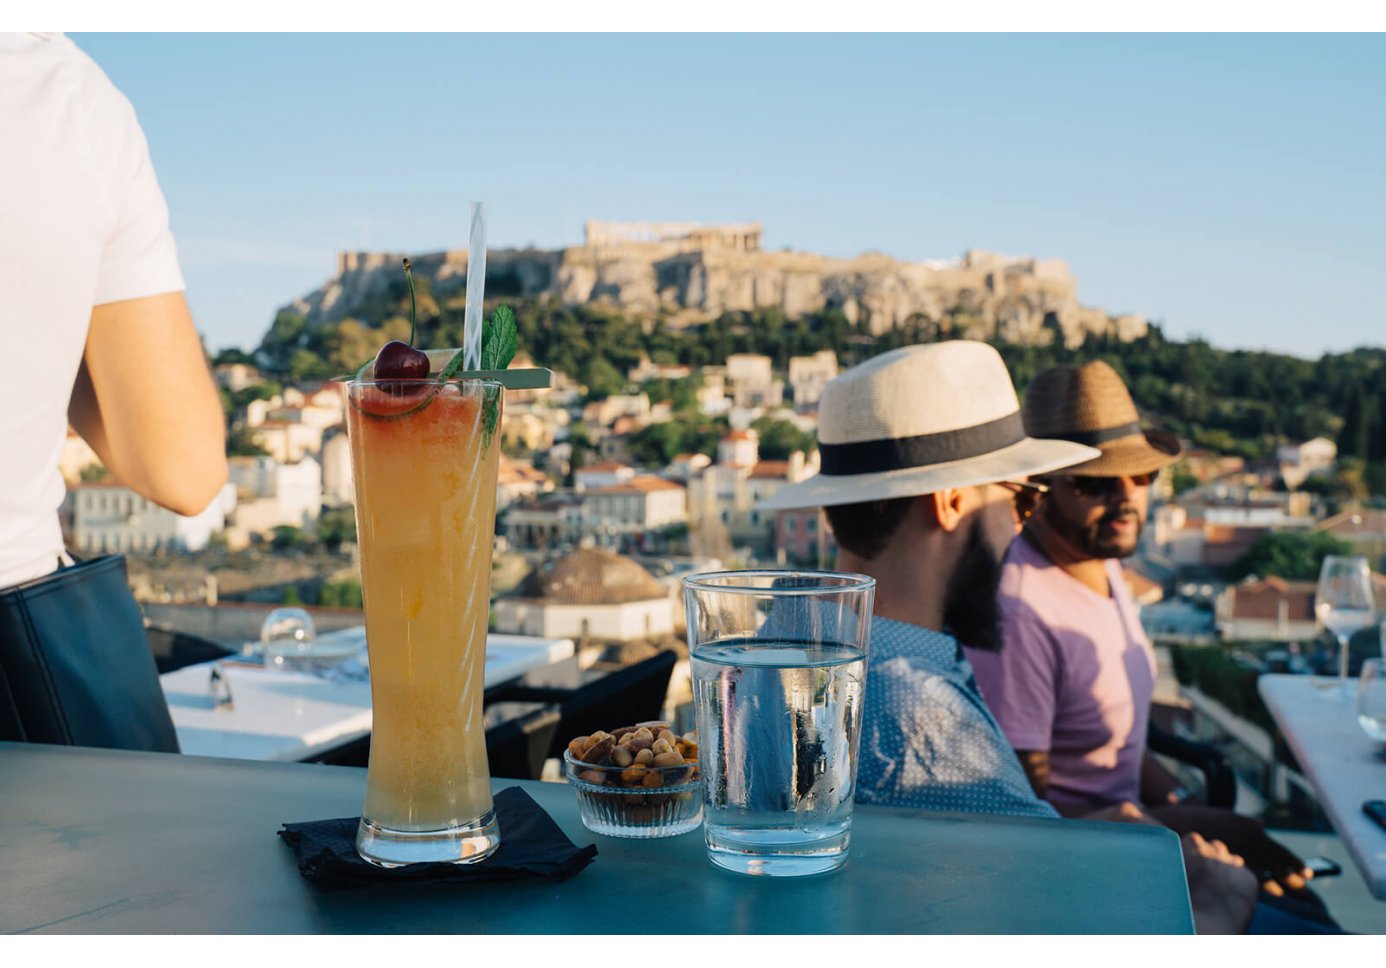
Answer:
(1371, 700)
(1343, 602)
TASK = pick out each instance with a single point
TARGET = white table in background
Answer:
(292, 716)
(1319, 722)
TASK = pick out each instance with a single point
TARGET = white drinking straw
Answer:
(476, 289)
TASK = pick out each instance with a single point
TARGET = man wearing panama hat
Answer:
(923, 450)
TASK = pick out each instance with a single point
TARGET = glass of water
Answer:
(779, 668)
(1371, 700)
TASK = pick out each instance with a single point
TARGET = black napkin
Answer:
(532, 848)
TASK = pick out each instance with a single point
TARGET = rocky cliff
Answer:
(690, 274)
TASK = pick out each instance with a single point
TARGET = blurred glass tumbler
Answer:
(286, 639)
(779, 666)
(1371, 700)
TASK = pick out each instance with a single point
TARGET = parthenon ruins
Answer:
(672, 237)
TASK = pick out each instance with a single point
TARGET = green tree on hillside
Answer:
(779, 438)
(1293, 555)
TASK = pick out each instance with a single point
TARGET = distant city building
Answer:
(684, 466)
(517, 480)
(1273, 609)
(1216, 536)
(527, 429)
(338, 487)
(236, 376)
(604, 413)
(1362, 528)
(272, 495)
(725, 495)
(1267, 609)
(634, 507)
(803, 538)
(740, 448)
(592, 595)
(109, 518)
(552, 521)
(1299, 461)
(602, 474)
(808, 375)
(1206, 465)
(713, 400)
(288, 441)
(752, 380)
(644, 371)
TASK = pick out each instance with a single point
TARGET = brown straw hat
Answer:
(1090, 405)
(922, 419)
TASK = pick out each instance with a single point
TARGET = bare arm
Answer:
(145, 402)
(1036, 765)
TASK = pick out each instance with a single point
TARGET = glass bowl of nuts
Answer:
(636, 781)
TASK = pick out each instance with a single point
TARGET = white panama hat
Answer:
(918, 420)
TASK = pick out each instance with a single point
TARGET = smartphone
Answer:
(1376, 809)
(1322, 867)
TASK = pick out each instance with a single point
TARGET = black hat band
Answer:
(899, 453)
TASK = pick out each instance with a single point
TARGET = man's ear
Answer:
(946, 508)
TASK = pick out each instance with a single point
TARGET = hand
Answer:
(1277, 868)
(1222, 891)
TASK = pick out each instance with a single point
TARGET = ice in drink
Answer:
(424, 460)
(778, 723)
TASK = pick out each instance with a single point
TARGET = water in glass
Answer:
(778, 722)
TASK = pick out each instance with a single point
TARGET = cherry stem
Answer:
(413, 308)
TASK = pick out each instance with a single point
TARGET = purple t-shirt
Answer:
(1075, 676)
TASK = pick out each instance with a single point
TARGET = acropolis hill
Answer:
(691, 273)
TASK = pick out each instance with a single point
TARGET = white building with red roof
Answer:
(636, 506)
(607, 473)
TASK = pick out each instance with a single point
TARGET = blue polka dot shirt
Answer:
(928, 740)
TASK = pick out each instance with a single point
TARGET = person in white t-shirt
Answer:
(95, 329)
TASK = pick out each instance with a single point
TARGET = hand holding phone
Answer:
(1322, 867)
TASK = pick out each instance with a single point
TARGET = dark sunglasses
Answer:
(1106, 487)
(1026, 495)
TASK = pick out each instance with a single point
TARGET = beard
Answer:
(971, 612)
(1099, 540)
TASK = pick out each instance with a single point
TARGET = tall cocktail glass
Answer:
(424, 457)
(779, 667)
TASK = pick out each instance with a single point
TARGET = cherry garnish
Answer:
(398, 360)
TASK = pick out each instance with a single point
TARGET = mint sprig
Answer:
(499, 339)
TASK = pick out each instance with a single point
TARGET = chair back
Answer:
(517, 748)
(627, 696)
(174, 650)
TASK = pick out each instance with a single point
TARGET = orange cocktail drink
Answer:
(424, 458)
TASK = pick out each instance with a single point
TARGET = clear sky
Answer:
(1228, 186)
